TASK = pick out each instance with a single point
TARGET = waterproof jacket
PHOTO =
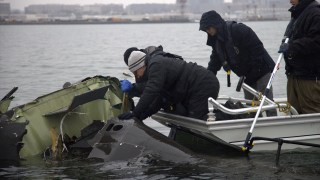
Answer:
(236, 47)
(138, 87)
(303, 56)
(172, 79)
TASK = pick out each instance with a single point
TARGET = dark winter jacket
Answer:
(236, 47)
(303, 57)
(171, 79)
(138, 87)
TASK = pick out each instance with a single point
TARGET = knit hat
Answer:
(127, 54)
(136, 60)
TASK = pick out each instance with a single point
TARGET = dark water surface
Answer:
(299, 164)
(39, 59)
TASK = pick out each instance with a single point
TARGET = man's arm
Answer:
(152, 91)
(214, 64)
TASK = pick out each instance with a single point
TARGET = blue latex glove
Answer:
(284, 48)
(126, 116)
(126, 85)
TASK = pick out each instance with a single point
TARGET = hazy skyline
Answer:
(20, 4)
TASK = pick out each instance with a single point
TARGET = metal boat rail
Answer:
(270, 104)
(217, 105)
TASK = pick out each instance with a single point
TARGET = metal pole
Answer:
(275, 69)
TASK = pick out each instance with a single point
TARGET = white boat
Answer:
(286, 131)
(81, 109)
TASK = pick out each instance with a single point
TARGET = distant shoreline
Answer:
(82, 22)
(92, 22)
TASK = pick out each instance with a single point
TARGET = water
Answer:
(39, 59)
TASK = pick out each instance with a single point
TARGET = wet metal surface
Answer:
(124, 140)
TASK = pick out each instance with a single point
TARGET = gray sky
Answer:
(20, 4)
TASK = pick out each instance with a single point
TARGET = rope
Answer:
(258, 99)
(284, 109)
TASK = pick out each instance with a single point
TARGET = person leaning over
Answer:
(136, 89)
(236, 47)
(302, 56)
(174, 80)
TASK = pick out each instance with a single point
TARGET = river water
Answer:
(39, 59)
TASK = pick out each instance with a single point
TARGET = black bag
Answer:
(231, 105)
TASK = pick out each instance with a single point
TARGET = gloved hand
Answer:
(126, 85)
(126, 116)
(226, 67)
(284, 48)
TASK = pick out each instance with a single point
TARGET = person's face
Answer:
(139, 73)
(211, 31)
(294, 2)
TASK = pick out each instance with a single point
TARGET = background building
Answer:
(5, 8)
(239, 10)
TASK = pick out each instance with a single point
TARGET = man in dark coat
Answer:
(174, 80)
(136, 88)
(302, 56)
(236, 47)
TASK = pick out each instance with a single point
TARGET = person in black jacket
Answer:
(302, 56)
(136, 88)
(171, 79)
(236, 47)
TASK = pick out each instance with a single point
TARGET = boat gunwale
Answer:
(211, 129)
(261, 121)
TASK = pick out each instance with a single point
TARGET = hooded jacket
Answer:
(236, 46)
(303, 58)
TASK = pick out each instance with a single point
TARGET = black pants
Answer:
(197, 105)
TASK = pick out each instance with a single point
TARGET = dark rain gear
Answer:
(236, 46)
(303, 57)
(176, 81)
(137, 88)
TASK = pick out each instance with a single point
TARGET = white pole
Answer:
(275, 69)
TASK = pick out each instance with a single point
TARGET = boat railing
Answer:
(280, 142)
(214, 104)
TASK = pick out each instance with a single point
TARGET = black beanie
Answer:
(127, 54)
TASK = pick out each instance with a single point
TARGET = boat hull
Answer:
(301, 128)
